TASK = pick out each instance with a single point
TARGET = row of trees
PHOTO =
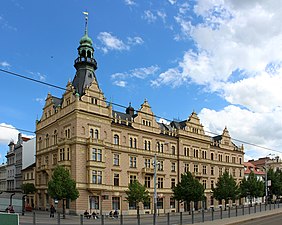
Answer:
(188, 190)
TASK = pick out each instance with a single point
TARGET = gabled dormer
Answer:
(193, 124)
(145, 119)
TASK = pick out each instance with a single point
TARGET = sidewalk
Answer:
(239, 219)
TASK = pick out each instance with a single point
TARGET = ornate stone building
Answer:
(105, 150)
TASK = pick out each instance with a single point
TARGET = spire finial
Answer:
(86, 22)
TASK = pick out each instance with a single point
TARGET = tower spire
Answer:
(86, 22)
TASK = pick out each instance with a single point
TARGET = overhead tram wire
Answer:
(116, 104)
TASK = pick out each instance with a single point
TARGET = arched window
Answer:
(173, 150)
(116, 139)
(135, 143)
(96, 134)
(47, 140)
(131, 142)
(91, 133)
(55, 137)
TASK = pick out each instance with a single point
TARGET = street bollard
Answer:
(255, 209)
(203, 215)
(278, 203)
(192, 216)
(180, 218)
(59, 218)
(34, 219)
(102, 220)
(212, 213)
(260, 206)
(249, 209)
(243, 211)
(236, 211)
(270, 206)
(81, 219)
(274, 204)
(121, 219)
(168, 219)
(229, 208)
(221, 212)
(138, 219)
(265, 206)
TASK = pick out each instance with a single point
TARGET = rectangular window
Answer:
(116, 179)
(97, 155)
(172, 203)
(186, 167)
(195, 168)
(116, 203)
(96, 177)
(212, 184)
(132, 205)
(161, 166)
(205, 184)
(173, 167)
(234, 172)
(186, 151)
(94, 202)
(147, 163)
(147, 182)
(116, 159)
(220, 171)
(204, 169)
(147, 205)
(132, 162)
(172, 182)
(160, 182)
(160, 203)
(212, 170)
(62, 154)
(132, 178)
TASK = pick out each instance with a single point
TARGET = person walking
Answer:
(52, 211)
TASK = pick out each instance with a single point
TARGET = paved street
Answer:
(268, 220)
(43, 218)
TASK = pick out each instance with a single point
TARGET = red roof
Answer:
(250, 167)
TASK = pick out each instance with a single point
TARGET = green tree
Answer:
(28, 188)
(276, 182)
(137, 193)
(188, 189)
(62, 186)
(251, 187)
(226, 188)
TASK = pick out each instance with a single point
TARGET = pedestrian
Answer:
(116, 214)
(52, 211)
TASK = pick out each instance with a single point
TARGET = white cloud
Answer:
(8, 133)
(40, 100)
(129, 2)
(172, 1)
(111, 42)
(149, 16)
(261, 129)
(135, 41)
(139, 73)
(164, 121)
(4, 64)
(120, 83)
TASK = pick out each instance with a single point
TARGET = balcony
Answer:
(146, 170)
(197, 174)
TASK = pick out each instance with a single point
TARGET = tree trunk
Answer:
(64, 212)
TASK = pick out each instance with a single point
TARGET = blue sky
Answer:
(221, 59)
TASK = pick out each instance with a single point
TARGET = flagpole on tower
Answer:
(86, 21)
